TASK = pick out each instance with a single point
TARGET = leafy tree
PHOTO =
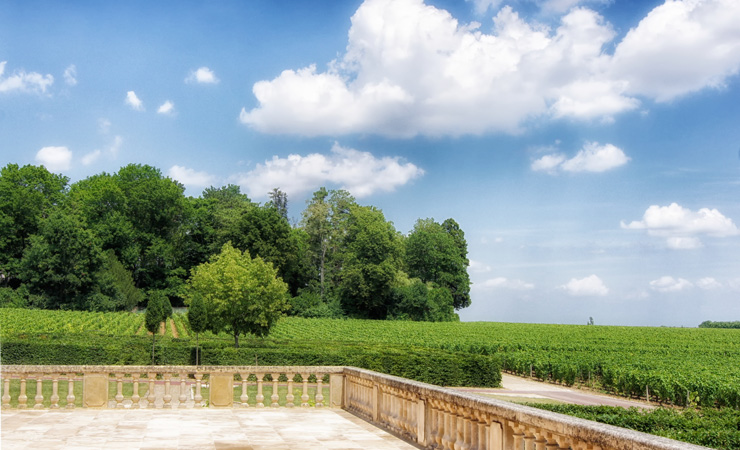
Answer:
(438, 253)
(419, 301)
(116, 289)
(279, 201)
(27, 195)
(62, 262)
(157, 310)
(370, 263)
(198, 320)
(242, 295)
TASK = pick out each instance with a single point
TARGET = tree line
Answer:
(112, 241)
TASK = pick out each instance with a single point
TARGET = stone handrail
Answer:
(430, 416)
(437, 418)
(170, 386)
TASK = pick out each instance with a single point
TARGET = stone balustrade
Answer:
(169, 386)
(430, 416)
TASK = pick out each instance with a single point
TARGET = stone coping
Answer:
(606, 436)
(40, 369)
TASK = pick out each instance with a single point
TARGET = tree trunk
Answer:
(197, 350)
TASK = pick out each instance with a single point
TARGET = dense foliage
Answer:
(715, 428)
(710, 324)
(110, 241)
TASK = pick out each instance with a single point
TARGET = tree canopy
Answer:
(110, 241)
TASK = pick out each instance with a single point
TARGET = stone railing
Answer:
(169, 386)
(439, 418)
(430, 416)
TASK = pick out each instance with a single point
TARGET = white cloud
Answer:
(360, 173)
(133, 101)
(589, 286)
(670, 284)
(111, 151)
(593, 157)
(681, 47)
(410, 68)
(21, 81)
(55, 159)
(681, 226)
(202, 75)
(166, 108)
(709, 284)
(482, 6)
(478, 267)
(104, 125)
(190, 177)
(505, 283)
(70, 75)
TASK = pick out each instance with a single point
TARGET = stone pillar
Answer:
(135, 396)
(319, 390)
(183, 389)
(336, 390)
(495, 436)
(289, 397)
(198, 399)
(244, 398)
(6, 393)
(304, 396)
(54, 391)
(260, 396)
(39, 398)
(275, 397)
(167, 395)
(119, 390)
(70, 391)
(151, 396)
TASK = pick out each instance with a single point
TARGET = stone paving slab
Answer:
(231, 429)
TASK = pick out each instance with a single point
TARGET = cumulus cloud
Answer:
(55, 159)
(505, 283)
(586, 287)
(190, 177)
(70, 75)
(669, 284)
(411, 68)
(167, 108)
(202, 75)
(359, 172)
(21, 81)
(709, 284)
(681, 226)
(593, 157)
(133, 101)
(111, 151)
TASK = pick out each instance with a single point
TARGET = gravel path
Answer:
(514, 386)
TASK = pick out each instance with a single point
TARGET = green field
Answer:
(673, 365)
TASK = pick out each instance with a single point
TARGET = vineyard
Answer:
(670, 365)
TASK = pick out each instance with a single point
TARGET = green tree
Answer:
(437, 253)
(117, 286)
(197, 320)
(61, 263)
(242, 295)
(370, 263)
(27, 195)
(279, 201)
(158, 308)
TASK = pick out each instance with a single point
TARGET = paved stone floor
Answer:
(192, 429)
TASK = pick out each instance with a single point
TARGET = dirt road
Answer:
(521, 388)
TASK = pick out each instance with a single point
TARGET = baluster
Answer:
(448, 439)
(183, 388)
(119, 390)
(6, 392)
(167, 395)
(54, 391)
(23, 398)
(319, 390)
(135, 396)
(198, 399)
(39, 398)
(541, 442)
(70, 391)
(459, 429)
(439, 421)
(260, 396)
(244, 398)
(275, 397)
(518, 439)
(304, 396)
(529, 442)
(289, 397)
(150, 394)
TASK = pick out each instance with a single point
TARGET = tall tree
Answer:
(27, 195)
(197, 320)
(279, 201)
(438, 253)
(157, 310)
(370, 263)
(242, 295)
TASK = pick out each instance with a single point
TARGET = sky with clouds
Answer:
(588, 148)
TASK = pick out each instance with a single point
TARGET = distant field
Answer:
(673, 365)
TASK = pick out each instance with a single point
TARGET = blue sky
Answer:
(589, 149)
